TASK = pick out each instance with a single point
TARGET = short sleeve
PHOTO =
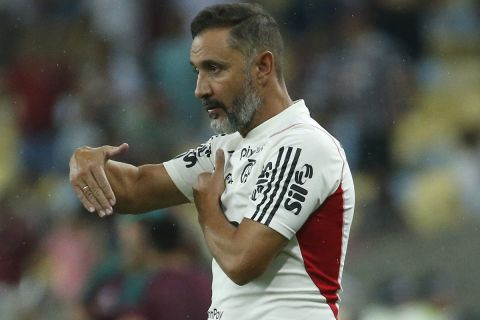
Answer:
(299, 172)
(185, 168)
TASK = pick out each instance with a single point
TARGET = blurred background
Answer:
(396, 81)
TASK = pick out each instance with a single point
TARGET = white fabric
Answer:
(278, 175)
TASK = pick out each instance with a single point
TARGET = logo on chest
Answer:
(247, 152)
(247, 170)
(228, 179)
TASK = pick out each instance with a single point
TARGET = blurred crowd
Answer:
(396, 81)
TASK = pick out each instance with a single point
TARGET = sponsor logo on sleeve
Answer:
(191, 157)
(296, 193)
(281, 185)
(262, 181)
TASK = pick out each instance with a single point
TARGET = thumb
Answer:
(219, 162)
(112, 151)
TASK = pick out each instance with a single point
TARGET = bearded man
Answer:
(273, 190)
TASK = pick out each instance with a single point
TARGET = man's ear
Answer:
(265, 67)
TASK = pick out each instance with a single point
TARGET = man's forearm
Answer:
(243, 252)
(122, 178)
(219, 236)
(141, 189)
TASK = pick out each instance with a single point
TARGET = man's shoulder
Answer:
(306, 133)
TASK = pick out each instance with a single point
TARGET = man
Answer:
(274, 192)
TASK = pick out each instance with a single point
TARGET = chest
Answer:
(242, 169)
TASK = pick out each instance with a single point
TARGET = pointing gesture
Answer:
(210, 186)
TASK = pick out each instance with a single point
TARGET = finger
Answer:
(83, 199)
(202, 180)
(87, 193)
(104, 184)
(95, 195)
(219, 163)
(116, 151)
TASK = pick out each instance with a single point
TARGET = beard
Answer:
(244, 108)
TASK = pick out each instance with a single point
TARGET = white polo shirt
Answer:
(291, 175)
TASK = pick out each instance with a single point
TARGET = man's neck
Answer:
(275, 100)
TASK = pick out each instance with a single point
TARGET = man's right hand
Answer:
(88, 178)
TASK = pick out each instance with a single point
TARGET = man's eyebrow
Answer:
(209, 62)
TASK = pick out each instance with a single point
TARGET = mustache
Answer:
(212, 103)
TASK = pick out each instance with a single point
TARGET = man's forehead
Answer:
(211, 41)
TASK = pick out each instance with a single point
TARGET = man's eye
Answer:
(213, 68)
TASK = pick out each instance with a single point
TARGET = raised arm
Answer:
(102, 184)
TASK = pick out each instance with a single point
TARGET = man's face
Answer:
(224, 83)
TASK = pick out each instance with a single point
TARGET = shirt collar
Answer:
(291, 115)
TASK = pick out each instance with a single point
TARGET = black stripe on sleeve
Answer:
(269, 185)
(277, 183)
(285, 186)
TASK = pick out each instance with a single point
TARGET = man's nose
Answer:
(203, 88)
